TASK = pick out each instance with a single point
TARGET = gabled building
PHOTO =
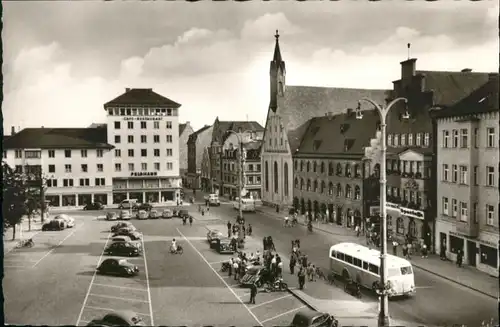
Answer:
(467, 178)
(289, 111)
(205, 171)
(185, 130)
(197, 143)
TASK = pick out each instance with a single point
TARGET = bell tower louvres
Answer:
(277, 73)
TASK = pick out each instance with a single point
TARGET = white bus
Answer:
(362, 264)
(247, 205)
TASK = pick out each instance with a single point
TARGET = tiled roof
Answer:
(194, 135)
(181, 128)
(302, 103)
(57, 138)
(483, 99)
(225, 126)
(142, 97)
(339, 134)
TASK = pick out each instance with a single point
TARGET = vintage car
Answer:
(111, 215)
(125, 215)
(167, 213)
(122, 224)
(127, 249)
(154, 214)
(213, 235)
(142, 214)
(257, 275)
(223, 246)
(311, 318)
(183, 213)
(144, 206)
(119, 267)
(118, 318)
(121, 238)
(69, 221)
(94, 206)
(128, 231)
(53, 225)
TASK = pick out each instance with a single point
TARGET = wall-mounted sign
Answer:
(411, 184)
(143, 118)
(143, 173)
(419, 214)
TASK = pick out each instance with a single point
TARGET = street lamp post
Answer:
(383, 317)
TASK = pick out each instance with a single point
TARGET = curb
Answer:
(301, 299)
(416, 265)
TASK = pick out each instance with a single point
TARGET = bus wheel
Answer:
(345, 275)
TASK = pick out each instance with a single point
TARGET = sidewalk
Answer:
(22, 231)
(465, 276)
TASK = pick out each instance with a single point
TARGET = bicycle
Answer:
(179, 250)
(25, 243)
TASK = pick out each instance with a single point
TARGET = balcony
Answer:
(467, 228)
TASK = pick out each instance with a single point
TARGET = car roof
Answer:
(307, 315)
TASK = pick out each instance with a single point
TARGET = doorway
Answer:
(442, 240)
(471, 253)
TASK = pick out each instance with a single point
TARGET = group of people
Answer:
(234, 229)
(409, 249)
(239, 264)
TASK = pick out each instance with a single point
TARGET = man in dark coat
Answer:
(302, 277)
(292, 264)
(228, 229)
(253, 293)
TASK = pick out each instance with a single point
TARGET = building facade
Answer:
(185, 130)
(468, 175)
(143, 127)
(289, 110)
(197, 143)
(75, 163)
(206, 171)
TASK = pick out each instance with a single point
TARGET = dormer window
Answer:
(314, 130)
(348, 143)
(396, 140)
(344, 128)
(316, 144)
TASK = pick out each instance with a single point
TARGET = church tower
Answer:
(277, 74)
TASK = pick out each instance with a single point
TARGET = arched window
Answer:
(301, 165)
(315, 186)
(296, 182)
(330, 188)
(339, 169)
(412, 228)
(323, 187)
(315, 166)
(308, 184)
(339, 189)
(376, 170)
(266, 173)
(276, 179)
(285, 175)
(330, 169)
(400, 228)
(348, 191)
(357, 171)
(301, 184)
(348, 170)
(357, 192)
(389, 222)
(322, 167)
(308, 166)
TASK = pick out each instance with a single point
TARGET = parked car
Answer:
(69, 221)
(53, 225)
(144, 206)
(142, 214)
(132, 234)
(123, 231)
(118, 318)
(127, 204)
(213, 199)
(257, 275)
(213, 235)
(111, 215)
(120, 267)
(183, 213)
(122, 224)
(121, 238)
(167, 213)
(311, 318)
(154, 214)
(123, 249)
(223, 246)
(94, 206)
(125, 215)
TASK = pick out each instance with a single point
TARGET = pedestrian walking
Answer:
(310, 272)
(410, 249)
(424, 250)
(230, 268)
(302, 277)
(357, 230)
(293, 262)
(244, 231)
(279, 271)
(395, 247)
(190, 220)
(304, 261)
(208, 210)
(405, 251)
(249, 230)
(229, 229)
(253, 293)
(442, 251)
(460, 256)
(236, 269)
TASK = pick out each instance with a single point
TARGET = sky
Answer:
(63, 60)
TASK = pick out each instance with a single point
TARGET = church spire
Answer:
(277, 52)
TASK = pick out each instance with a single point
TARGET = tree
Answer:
(14, 198)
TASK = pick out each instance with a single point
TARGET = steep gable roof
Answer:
(57, 138)
(182, 127)
(142, 97)
(302, 103)
(224, 126)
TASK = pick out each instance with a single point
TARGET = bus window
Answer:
(406, 270)
(365, 265)
(348, 258)
(340, 256)
(373, 269)
(356, 262)
(334, 254)
(393, 272)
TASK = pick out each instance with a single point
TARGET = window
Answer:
(348, 258)
(340, 256)
(396, 140)
(403, 139)
(68, 182)
(463, 175)
(410, 139)
(156, 165)
(266, 176)
(348, 191)
(144, 166)
(18, 154)
(446, 172)
(389, 140)
(52, 154)
(454, 207)
(446, 139)
(400, 227)
(100, 168)
(490, 212)
(52, 168)
(100, 182)
(276, 178)
(144, 139)
(118, 153)
(476, 175)
(373, 268)
(490, 176)
(339, 190)
(143, 125)
(490, 137)
(464, 138)
(84, 168)
(118, 167)
(131, 167)
(169, 138)
(118, 139)
(99, 153)
(170, 166)
(169, 124)
(455, 138)
(474, 212)
(130, 152)
(156, 152)
(489, 256)
(426, 139)
(67, 168)
(170, 153)
(117, 125)
(144, 152)
(156, 138)
(130, 138)
(476, 137)
(454, 173)
(84, 182)
(445, 206)
(315, 166)
(463, 211)
(156, 125)
(67, 153)
(130, 125)
(418, 141)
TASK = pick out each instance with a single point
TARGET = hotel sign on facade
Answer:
(143, 118)
(412, 213)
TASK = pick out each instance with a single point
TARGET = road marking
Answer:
(423, 287)
(220, 277)
(14, 247)
(270, 301)
(55, 247)
(24, 267)
(244, 294)
(92, 281)
(112, 310)
(147, 282)
(15, 259)
(216, 262)
(117, 298)
(123, 287)
(284, 313)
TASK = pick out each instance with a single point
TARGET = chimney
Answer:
(408, 69)
(127, 89)
(188, 123)
(466, 70)
(13, 130)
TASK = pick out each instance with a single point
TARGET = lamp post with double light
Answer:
(383, 317)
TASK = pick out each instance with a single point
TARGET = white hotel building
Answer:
(135, 155)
